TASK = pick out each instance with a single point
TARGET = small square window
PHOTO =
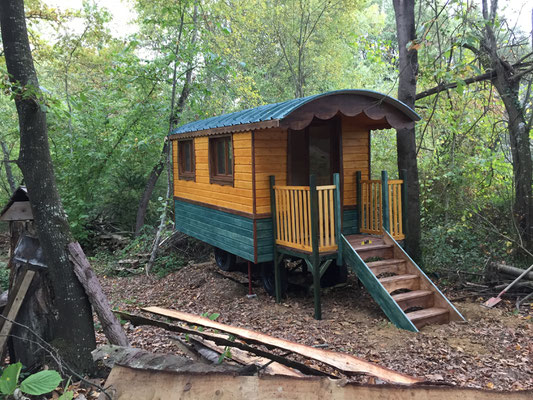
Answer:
(221, 160)
(186, 159)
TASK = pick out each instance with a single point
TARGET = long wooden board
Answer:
(133, 384)
(343, 362)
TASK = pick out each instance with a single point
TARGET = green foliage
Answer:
(35, 384)
(165, 262)
(4, 277)
(40, 382)
(108, 103)
(10, 378)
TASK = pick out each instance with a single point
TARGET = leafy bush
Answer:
(36, 384)
(166, 262)
(456, 246)
(4, 277)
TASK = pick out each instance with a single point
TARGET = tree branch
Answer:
(445, 86)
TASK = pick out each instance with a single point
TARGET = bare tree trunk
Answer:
(148, 190)
(72, 327)
(507, 83)
(7, 166)
(406, 143)
(174, 121)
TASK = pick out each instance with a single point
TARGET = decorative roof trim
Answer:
(298, 113)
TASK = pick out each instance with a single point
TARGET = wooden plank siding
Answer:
(270, 146)
(350, 222)
(230, 232)
(355, 156)
(265, 242)
(239, 196)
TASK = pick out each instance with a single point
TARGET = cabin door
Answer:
(314, 151)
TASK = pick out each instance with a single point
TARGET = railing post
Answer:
(315, 256)
(277, 274)
(403, 176)
(338, 216)
(385, 200)
(359, 199)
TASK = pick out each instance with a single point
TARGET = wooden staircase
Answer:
(406, 295)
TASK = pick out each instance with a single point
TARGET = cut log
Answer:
(197, 350)
(507, 269)
(343, 362)
(242, 357)
(141, 359)
(219, 339)
(110, 324)
(134, 384)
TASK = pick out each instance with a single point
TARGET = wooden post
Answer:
(385, 201)
(277, 272)
(11, 310)
(359, 199)
(403, 176)
(338, 216)
(315, 256)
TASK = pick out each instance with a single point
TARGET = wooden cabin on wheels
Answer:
(292, 179)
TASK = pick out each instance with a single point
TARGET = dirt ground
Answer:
(492, 349)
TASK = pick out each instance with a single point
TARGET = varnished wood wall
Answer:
(270, 159)
(355, 156)
(238, 197)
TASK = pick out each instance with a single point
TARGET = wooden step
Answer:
(416, 298)
(428, 316)
(392, 283)
(374, 250)
(393, 266)
(356, 240)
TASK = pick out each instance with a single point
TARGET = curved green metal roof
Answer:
(278, 111)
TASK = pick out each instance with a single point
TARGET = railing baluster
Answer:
(296, 215)
(326, 217)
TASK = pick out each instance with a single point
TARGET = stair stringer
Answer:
(375, 288)
(425, 283)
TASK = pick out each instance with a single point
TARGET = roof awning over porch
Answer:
(376, 111)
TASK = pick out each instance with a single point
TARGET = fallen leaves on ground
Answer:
(493, 349)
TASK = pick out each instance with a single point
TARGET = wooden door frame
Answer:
(335, 144)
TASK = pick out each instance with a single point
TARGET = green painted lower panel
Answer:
(265, 242)
(229, 232)
(375, 288)
(350, 222)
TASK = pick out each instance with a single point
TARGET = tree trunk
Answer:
(508, 87)
(148, 190)
(175, 116)
(72, 328)
(406, 143)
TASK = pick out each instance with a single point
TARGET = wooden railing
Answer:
(395, 209)
(371, 209)
(293, 217)
(372, 214)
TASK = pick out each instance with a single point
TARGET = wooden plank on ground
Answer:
(343, 362)
(110, 324)
(14, 302)
(132, 384)
(221, 340)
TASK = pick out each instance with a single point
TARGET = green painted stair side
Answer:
(375, 288)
